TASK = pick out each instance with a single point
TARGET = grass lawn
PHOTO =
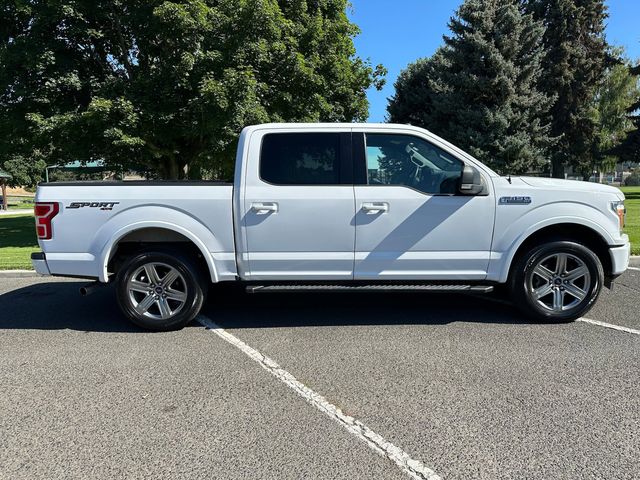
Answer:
(632, 227)
(21, 205)
(18, 235)
(17, 241)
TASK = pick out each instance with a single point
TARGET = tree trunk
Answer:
(171, 169)
(5, 202)
(557, 168)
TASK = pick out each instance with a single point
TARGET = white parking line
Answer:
(634, 268)
(609, 325)
(412, 467)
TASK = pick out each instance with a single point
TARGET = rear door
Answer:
(411, 221)
(298, 215)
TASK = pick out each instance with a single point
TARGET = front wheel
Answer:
(557, 282)
(160, 291)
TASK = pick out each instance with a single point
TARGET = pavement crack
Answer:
(635, 289)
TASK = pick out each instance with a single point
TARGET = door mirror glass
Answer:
(471, 181)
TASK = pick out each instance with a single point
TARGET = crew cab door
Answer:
(298, 210)
(411, 220)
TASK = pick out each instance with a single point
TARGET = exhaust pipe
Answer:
(89, 288)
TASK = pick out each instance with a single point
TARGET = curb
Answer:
(634, 261)
(19, 274)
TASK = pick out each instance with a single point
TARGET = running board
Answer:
(369, 288)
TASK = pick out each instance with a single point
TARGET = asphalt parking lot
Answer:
(465, 386)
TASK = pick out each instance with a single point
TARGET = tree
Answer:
(616, 94)
(479, 90)
(170, 84)
(574, 62)
(629, 149)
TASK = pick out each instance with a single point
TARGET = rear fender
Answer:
(178, 221)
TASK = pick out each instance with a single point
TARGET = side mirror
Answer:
(471, 181)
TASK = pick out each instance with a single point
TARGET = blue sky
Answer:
(397, 32)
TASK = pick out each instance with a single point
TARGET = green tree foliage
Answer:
(169, 84)
(479, 90)
(574, 63)
(629, 149)
(616, 94)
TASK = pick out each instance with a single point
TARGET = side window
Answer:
(412, 162)
(300, 158)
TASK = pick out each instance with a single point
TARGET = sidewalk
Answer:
(17, 211)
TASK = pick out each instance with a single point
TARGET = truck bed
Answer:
(92, 214)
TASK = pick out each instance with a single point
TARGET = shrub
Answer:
(633, 180)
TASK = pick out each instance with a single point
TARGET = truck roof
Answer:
(336, 125)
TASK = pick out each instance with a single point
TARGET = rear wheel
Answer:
(557, 282)
(160, 291)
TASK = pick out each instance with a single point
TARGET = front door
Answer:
(299, 210)
(411, 222)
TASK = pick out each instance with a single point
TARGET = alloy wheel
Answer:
(559, 282)
(157, 291)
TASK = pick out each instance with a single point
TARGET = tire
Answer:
(145, 298)
(558, 281)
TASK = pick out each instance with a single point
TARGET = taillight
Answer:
(44, 212)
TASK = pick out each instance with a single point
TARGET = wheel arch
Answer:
(157, 238)
(572, 231)
(140, 230)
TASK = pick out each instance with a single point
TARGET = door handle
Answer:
(372, 208)
(262, 208)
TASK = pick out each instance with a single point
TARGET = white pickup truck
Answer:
(337, 206)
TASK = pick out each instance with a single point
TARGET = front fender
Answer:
(519, 229)
(176, 220)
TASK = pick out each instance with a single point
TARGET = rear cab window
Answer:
(304, 158)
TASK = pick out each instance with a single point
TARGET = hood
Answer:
(574, 185)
